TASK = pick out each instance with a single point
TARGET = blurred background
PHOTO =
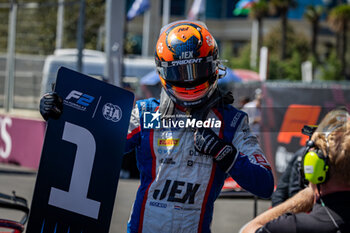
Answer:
(309, 36)
(294, 51)
(290, 56)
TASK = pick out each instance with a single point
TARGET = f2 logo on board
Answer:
(78, 100)
(177, 187)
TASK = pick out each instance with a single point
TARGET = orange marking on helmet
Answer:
(191, 94)
(162, 81)
(188, 93)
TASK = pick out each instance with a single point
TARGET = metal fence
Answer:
(27, 80)
(27, 35)
(21, 43)
(33, 25)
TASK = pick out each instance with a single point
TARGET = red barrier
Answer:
(21, 141)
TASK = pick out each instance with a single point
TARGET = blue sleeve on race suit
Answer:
(136, 122)
(133, 137)
(251, 170)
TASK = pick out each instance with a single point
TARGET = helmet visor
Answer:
(186, 70)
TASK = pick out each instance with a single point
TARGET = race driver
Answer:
(183, 166)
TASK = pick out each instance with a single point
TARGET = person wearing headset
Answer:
(327, 168)
(292, 180)
(182, 170)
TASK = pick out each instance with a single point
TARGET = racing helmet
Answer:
(186, 57)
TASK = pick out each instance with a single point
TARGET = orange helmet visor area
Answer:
(191, 94)
(188, 93)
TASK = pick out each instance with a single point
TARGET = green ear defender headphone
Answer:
(315, 170)
(315, 164)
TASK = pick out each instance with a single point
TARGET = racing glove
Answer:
(51, 106)
(207, 142)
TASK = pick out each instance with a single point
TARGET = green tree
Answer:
(36, 28)
(331, 69)
(313, 15)
(94, 19)
(289, 69)
(4, 15)
(282, 7)
(297, 51)
(338, 20)
(44, 21)
(297, 41)
(32, 35)
(242, 61)
(258, 11)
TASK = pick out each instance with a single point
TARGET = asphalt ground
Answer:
(229, 214)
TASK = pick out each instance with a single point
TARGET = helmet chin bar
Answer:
(195, 103)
